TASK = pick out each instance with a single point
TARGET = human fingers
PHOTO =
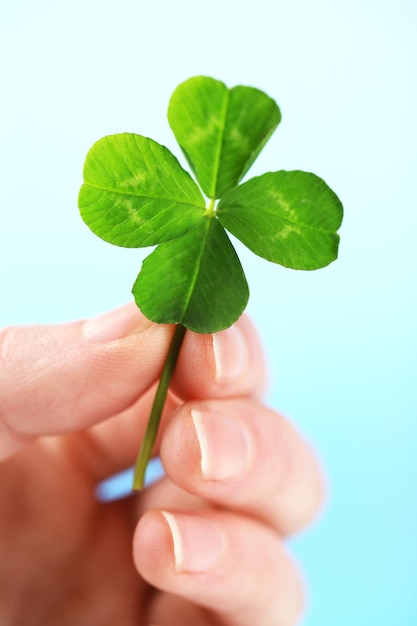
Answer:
(238, 454)
(235, 569)
(63, 378)
(114, 443)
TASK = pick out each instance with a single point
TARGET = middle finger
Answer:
(239, 454)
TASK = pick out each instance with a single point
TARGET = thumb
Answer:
(63, 378)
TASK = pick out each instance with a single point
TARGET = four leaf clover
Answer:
(136, 194)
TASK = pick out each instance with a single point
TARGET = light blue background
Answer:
(341, 341)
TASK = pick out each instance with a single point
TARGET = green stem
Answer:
(148, 443)
(211, 209)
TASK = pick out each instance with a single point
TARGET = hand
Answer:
(208, 547)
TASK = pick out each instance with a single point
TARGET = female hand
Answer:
(208, 540)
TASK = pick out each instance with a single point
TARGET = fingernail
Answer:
(230, 355)
(198, 543)
(116, 324)
(224, 444)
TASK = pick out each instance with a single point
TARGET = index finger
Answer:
(226, 364)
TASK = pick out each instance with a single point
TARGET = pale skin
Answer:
(203, 547)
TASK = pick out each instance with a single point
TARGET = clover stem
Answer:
(211, 209)
(148, 443)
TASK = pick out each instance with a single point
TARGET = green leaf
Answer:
(196, 281)
(289, 218)
(135, 192)
(221, 131)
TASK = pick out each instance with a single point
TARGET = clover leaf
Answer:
(196, 279)
(221, 131)
(136, 194)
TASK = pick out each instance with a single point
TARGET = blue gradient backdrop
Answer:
(341, 341)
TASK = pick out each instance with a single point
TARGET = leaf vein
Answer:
(131, 194)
